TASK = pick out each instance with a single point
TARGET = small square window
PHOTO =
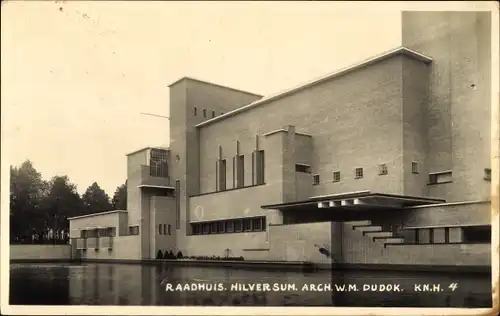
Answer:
(222, 113)
(213, 114)
(359, 173)
(414, 167)
(382, 169)
(487, 174)
(316, 179)
(336, 176)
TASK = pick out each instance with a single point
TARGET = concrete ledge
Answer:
(40, 260)
(280, 265)
(410, 267)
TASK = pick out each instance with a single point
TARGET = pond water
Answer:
(134, 284)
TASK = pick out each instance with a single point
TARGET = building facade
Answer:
(391, 152)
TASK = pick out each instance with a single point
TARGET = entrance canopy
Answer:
(360, 200)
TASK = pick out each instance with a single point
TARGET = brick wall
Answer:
(458, 112)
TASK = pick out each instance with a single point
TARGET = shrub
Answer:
(179, 255)
(171, 255)
(166, 255)
(159, 255)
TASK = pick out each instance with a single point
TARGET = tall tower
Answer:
(192, 102)
(458, 111)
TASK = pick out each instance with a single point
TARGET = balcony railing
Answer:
(81, 243)
(153, 176)
(106, 242)
(92, 243)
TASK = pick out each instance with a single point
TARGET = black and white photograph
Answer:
(250, 157)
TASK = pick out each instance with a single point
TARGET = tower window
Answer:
(302, 168)
(336, 176)
(316, 179)
(382, 169)
(359, 173)
(487, 174)
(414, 167)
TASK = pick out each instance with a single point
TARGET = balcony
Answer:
(154, 177)
(106, 242)
(81, 243)
(92, 243)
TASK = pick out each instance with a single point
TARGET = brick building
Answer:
(392, 151)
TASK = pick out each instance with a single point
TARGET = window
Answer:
(440, 177)
(206, 228)
(158, 166)
(83, 233)
(230, 226)
(240, 170)
(431, 235)
(238, 226)
(302, 168)
(487, 174)
(204, 112)
(254, 224)
(257, 224)
(382, 169)
(197, 229)
(222, 227)
(177, 204)
(213, 114)
(160, 229)
(111, 231)
(169, 229)
(213, 228)
(446, 235)
(222, 175)
(316, 179)
(133, 230)
(414, 167)
(336, 176)
(222, 113)
(359, 173)
(259, 166)
(195, 111)
(247, 224)
(477, 234)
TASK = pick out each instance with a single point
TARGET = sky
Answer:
(77, 75)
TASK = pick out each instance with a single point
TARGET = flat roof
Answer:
(394, 52)
(213, 84)
(356, 195)
(96, 214)
(146, 148)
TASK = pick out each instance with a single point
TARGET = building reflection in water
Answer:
(132, 284)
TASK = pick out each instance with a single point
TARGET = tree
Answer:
(62, 201)
(27, 189)
(119, 201)
(95, 200)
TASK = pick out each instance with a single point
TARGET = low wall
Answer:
(360, 249)
(124, 248)
(40, 252)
